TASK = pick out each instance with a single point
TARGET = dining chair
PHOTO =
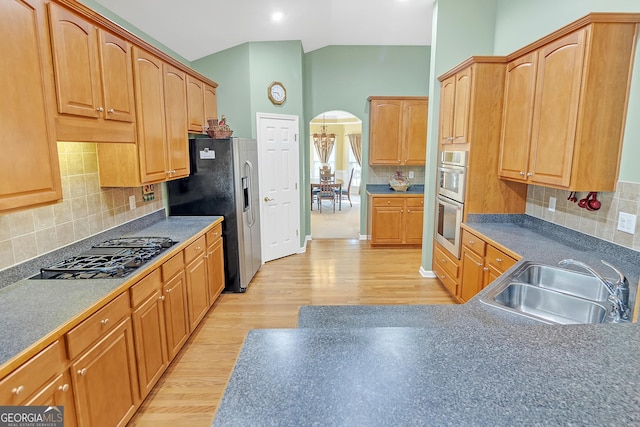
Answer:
(327, 192)
(346, 192)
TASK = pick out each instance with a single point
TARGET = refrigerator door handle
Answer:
(248, 194)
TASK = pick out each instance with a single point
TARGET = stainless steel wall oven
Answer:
(452, 166)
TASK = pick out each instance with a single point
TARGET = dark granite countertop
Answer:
(387, 190)
(31, 310)
(445, 364)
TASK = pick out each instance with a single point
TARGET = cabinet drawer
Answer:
(87, 332)
(446, 261)
(388, 201)
(194, 250)
(214, 234)
(498, 259)
(145, 287)
(30, 377)
(172, 267)
(474, 243)
(448, 282)
(415, 202)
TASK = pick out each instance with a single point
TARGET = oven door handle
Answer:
(452, 203)
(448, 169)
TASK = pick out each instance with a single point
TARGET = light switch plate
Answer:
(132, 202)
(552, 204)
(411, 174)
(627, 223)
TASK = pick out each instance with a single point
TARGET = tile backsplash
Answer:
(381, 174)
(86, 209)
(601, 223)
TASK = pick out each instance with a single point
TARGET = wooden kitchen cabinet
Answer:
(481, 263)
(455, 106)
(446, 267)
(94, 79)
(29, 168)
(398, 130)
(175, 100)
(103, 367)
(215, 263)
(150, 337)
(176, 309)
(210, 102)
(195, 97)
(561, 127)
(396, 220)
(197, 282)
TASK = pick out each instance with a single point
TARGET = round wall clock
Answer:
(277, 93)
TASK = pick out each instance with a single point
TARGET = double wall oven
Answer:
(452, 168)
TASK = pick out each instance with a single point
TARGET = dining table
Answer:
(336, 184)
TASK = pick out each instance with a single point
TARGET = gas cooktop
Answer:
(113, 258)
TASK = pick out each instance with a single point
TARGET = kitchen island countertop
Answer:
(31, 310)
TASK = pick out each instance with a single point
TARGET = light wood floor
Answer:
(330, 272)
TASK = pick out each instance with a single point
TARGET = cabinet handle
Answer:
(18, 390)
(64, 388)
(479, 264)
(111, 111)
(443, 260)
(82, 372)
(408, 210)
(198, 248)
(498, 259)
(388, 202)
(471, 242)
(521, 173)
(485, 269)
(161, 298)
(104, 322)
(99, 109)
(168, 291)
(529, 174)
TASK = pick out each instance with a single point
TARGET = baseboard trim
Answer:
(427, 273)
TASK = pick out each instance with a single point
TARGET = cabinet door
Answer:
(175, 98)
(555, 115)
(105, 380)
(462, 106)
(150, 341)
(210, 103)
(176, 313)
(215, 269)
(472, 274)
(415, 132)
(447, 99)
(517, 117)
(195, 95)
(29, 169)
(490, 273)
(413, 221)
(385, 132)
(117, 78)
(197, 290)
(150, 113)
(75, 57)
(58, 393)
(386, 225)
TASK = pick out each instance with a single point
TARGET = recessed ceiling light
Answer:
(277, 16)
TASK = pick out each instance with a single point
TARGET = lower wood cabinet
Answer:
(215, 263)
(197, 285)
(176, 310)
(446, 267)
(396, 219)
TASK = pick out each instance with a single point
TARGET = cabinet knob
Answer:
(521, 173)
(111, 111)
(198, 248)
(168, 291)
(18, 390)
(104, 322)
(64, 388)
(99, 109)
(479, 264)
(471, 242)
(82, 372)
(443, 260)
(529, 174)
(161, 298)
(498, 259)
(408, 210)
(388, 202)
(485, 269)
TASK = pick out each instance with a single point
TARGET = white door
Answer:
(278, 157)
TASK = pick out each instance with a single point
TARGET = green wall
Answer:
(520, 22)
(343, 77)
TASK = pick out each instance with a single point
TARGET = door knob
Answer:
(267, 199)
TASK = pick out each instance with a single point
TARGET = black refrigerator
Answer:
(224, 181)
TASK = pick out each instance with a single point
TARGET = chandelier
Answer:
(324, 139)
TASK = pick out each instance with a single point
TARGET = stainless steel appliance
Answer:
(110, 259)
(452, 167)
(224, 181)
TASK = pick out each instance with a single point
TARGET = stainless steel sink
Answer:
(551, 294)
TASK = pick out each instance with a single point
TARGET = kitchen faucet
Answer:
(618, 292)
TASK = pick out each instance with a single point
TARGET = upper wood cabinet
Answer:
(210, 102)
(93, 75)
(195, 97)
(455, 104)
(29, 170)
(175, 100)
(565, 105)
(397, 130)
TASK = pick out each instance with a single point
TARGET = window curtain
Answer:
(356, 146)
(324, 146)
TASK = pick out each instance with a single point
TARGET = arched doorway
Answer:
(343, 160)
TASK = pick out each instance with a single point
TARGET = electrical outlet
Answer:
(411, 175)
(627, 223)
(132, 202)
(552, 204)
